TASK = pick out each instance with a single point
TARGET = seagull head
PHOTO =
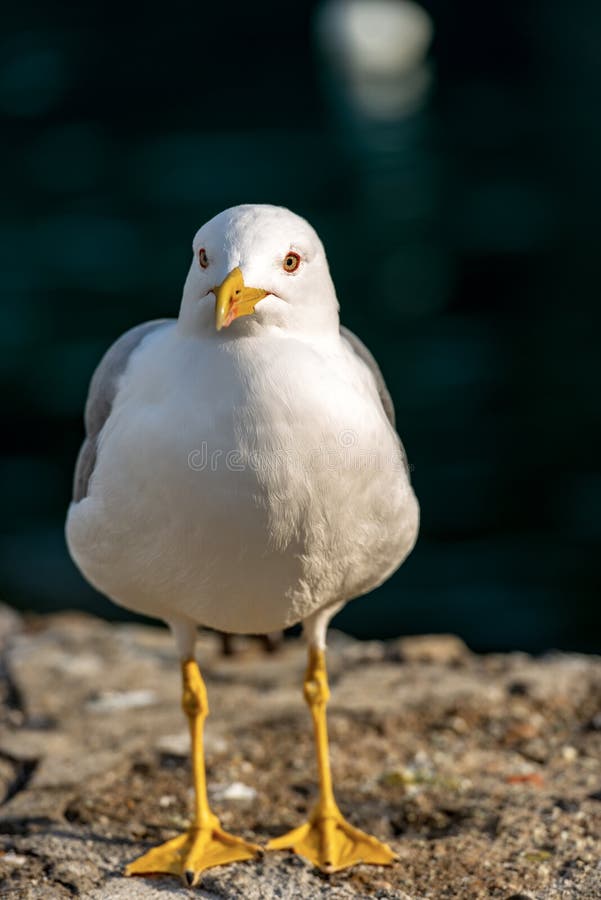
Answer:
(255, 266)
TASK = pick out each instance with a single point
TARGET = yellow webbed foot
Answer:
(191, 853)
(331, 843)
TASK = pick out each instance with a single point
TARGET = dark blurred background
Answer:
(449, 159)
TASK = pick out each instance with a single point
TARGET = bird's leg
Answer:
(205, 844)
(327, 839)
(273, 641)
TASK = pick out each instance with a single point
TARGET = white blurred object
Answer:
(378, 49)
(234, 791)
(113, 701)
(375, 37)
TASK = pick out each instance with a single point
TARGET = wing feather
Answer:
(357, 345)
(360, 350)
(101, 395)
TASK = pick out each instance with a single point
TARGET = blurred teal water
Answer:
(463, 239)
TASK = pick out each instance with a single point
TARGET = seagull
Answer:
(241, 471)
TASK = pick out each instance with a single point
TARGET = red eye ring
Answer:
(203, 259)
(291, 261)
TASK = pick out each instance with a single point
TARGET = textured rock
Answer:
(434, 648)
(484, 773)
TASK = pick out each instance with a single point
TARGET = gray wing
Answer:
(363, 353)
(103, 388)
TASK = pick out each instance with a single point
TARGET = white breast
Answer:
(243, 483)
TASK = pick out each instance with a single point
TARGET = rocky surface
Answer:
(484, 773)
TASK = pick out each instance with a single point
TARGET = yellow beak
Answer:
(234, 299)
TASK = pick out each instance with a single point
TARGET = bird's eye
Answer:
(203, 259)
(291, 262)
